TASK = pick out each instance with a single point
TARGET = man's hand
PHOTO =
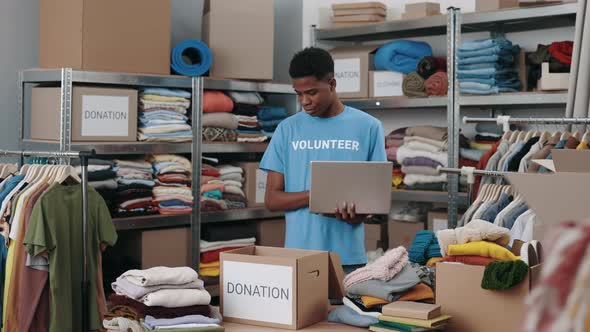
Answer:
(347, 212)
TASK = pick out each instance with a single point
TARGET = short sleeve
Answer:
(377, 152)
(38, 237)
(106, 230)
(274, 157)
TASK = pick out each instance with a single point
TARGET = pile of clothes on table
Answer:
(389, 278)
(172, 193)
(222, 188)
(486, 66)
(163, 299)
(135, 184)
(163, 115)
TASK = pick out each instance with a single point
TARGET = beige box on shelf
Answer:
(552, 81)
(421, 9)
(384, 83)
(105, 35)
(491, 5)
(274, 287)
(98, 114)
(351, 69)
(157, 246)
(439, 220)
(361, 11)
(402, 233)
(271, 233)
(254, 183)
(237, 32)
(474, 309)
(376, 236)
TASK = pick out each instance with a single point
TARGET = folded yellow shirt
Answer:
(482, 248)
(209, 272)
(209, 265)
(480, 146)
(162, 98)
(433, 261)
(370, 302)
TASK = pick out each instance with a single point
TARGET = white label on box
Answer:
(259, 292)
(260, 186)
(105, 116)
(439, 224)
(348, 75)
(387, 84)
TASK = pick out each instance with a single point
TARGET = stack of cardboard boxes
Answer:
(353, 14)
(420, 10)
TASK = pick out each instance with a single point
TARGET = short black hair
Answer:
(312, 61)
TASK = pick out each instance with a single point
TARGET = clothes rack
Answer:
(84, 156)
(471, 173)
(505, 121)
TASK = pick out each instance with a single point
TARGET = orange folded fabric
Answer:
(437, 84)
(212, 186)
(470, 260)
(420, 292)
(217, 101)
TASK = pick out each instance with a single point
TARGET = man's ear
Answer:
(332, 83)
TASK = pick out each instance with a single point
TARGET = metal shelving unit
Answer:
(452, 25)
(67, 77)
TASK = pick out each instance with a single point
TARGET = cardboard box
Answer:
(361, 11)
(271, 233)
(98, 114)
(491, 5)
(459, 292)
(105, 35)
(165, 247)
(254, 184)
(376, 236)
(360, 5)
(421, 9)
(351, 69)
(552, 81)
(402, 233)
(383, 83)
(237, 32)
(521, 66)
(274, 287)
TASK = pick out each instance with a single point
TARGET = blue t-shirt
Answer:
(352, 135)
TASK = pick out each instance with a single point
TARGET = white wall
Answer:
(318, 12)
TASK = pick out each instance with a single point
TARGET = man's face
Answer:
(316, 96)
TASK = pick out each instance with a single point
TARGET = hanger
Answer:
(529, 135)
(507, 135)
(566, 134)
(514, 136)
(482, 193)
(521, 136)
(578, 135)
(68, 173)
(544, 137)
(586, 138)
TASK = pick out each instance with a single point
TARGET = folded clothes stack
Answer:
(223, 191)
(487, 135)
(270, 117)
(102, 177)
(172, 193)
(163, 299)
(557, 54)
(393, 142)
(486, 66)
(163, 115)
(135, 186)
(218, 123)
(246, 108)
(388, 279)
(424, 149)
(210, 251)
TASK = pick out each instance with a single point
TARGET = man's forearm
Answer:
(282, 201)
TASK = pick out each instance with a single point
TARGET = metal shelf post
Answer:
(197, 113)
(453, 110)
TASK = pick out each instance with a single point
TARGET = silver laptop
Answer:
(575, 161)
(367, 184)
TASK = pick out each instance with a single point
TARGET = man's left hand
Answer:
(347, 212)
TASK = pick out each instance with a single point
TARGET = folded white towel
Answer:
(210, 246)
(122, 324)
(412, 179)
(421, 146)
(174, 298)
(227, 169)
(161, 275)
(232, 176)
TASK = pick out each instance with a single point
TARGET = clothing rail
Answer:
(506, 120)
(471, 173)
(83, 155)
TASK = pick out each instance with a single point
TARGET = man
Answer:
(315, 134)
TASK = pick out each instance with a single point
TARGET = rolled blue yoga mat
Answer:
(197, 52)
